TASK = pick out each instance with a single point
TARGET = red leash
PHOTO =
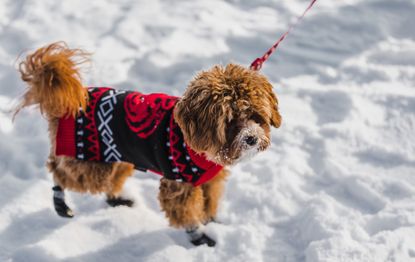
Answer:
(257, 64)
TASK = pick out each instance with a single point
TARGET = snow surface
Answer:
(338, 183)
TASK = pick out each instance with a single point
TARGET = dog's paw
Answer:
(62, 209)
(118, 201)
(65, 213)
(202, 240)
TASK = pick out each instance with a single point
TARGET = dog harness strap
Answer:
(257, 64)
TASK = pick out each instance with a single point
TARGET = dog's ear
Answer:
(201, 115)
(275, 114)
(263, 90)
(267, 92)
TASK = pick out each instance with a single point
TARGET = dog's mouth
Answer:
(244, 142)
(247, 152)
(225, 158)
(240, 151)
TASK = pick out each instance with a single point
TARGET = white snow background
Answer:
(338, 183)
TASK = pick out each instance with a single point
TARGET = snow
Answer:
(338, 183)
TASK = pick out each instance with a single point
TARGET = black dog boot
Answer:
(198, 238)
(59, 202)
(119, 201)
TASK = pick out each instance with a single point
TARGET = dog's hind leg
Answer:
(59, 202)
(58, 190)
(212, 192)
(121, 171)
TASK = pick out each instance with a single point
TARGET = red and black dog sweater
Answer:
(136, 128)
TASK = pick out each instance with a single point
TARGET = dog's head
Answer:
(226, 113)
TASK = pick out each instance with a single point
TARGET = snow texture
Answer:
(338, 183)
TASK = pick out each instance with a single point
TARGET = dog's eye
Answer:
(258, 119)
(233, 129)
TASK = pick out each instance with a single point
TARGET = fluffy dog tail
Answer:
(53, 80)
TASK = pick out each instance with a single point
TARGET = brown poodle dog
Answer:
(99, 136)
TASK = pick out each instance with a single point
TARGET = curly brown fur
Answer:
(219, 101)
(186, 205)
(53, 80)
(86, 177)
(212, 193)
(122, 171)
(182, 202)
(81, 176)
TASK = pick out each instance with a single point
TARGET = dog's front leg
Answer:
(184, 206)
(59, 202)
(198, 237)
(212, 192)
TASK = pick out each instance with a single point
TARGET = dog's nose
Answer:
(251, 140)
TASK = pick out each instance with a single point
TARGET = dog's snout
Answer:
(251, 140)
